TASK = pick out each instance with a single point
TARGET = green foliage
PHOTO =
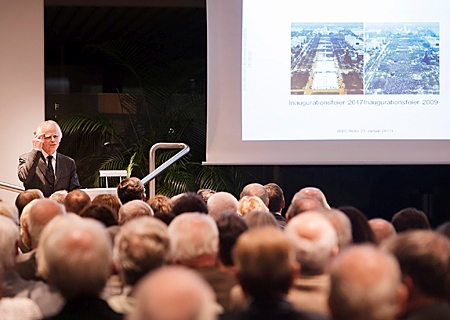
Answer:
(166, 108)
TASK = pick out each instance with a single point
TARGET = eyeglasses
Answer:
(49, 136)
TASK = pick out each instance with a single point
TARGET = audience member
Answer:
(205, 194)
(276, 202)
(265, 268)
(75, 256)
(257, 219)
(361, 231)
(251, 203)
(314, 193)
(131, 189)
(76, 201)
(142, 245)
(342, 225)
(48, 301)
(382, 229)
(37, 214)
(59, 196)
(316, 245)
(162, 208)
(174, 293)
(101, 213)
(221, 202)
(110, 200)
(194, 239)
(231, 226)
(300, 204)
(17, 308)
(366, 284)
(10, 211)
(410, 219)
(444, 229)
(256, 189)
(25, 197)
(189, 202)
(424, 258)
(132, 210)
(160, 204)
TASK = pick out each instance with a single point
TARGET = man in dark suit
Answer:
(45, 169)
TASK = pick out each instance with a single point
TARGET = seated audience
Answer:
(314, 192)
(131, 189)
(142, 245)
(382, 229)
(342, 225)
(17, 308)
(10, 211)
(36, 215)
(189, 202)
(257, 219)
(194, 239)
(160, 204)
(265, 268)
(250, 203)
(424, 258)
(231, 226)
(25, 197)
(162, 208)
(48, 301)
(444, 229)
(366, 284)
(410, 219)
(276, 202)
(221, 202)
(76, 200)
(132, 210)
(75, 256)
(109, 200)
(361, 231)
(174, 293)
(316, 245)
(256, 189)
(302, 204)
(59, 196)
(101, 213)
(205, 194)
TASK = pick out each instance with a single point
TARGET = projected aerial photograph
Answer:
(401, 58)
(327, 58)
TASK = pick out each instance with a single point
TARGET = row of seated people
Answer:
(208, 255)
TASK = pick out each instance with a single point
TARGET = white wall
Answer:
(21, 82)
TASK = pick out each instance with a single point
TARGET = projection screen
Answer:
(329, 82)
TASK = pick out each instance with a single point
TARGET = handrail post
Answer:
(152, 162)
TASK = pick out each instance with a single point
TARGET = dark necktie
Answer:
(50, 170)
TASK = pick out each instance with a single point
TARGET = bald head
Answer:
(314, 193)
(315, 242)
(38, 214)
(134, 209)
(366, 284)
(221, 202)
(256, 189)
(174, 293)
(302, 204)
(76, 200)
(382, 229)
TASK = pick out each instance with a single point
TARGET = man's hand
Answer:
(38, 141)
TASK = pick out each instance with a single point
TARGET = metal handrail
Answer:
(152, 162)
(11, 187)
